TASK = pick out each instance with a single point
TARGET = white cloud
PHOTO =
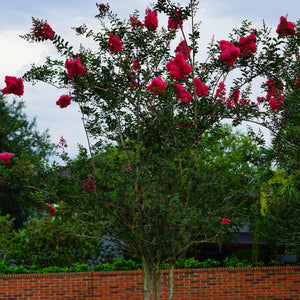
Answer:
(17, 53)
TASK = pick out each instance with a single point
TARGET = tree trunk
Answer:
(146, 278)
(156, 281)
(170, 282)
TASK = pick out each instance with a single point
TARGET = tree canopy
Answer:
(160, 110)
(30, 148)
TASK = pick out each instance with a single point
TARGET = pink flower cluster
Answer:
(182, 93)
(285, 28)
(136, 65)
(233, 99)
(125, 170)
(51, 210)
(276, 101)
(43, 31)
(221, 91)
(14, 86)
(157, 86)
(229, 54)
(115, 44)
(225, 221)
(62, 143)
(151, 21)
(201, 89)
(247, 45)
(274, 96)
(184, 49)
(178, 68)
(5, 157)
(63, 101)
(175, 21)
(74, 67)
(90, 184)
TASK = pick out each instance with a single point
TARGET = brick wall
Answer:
(236, 283)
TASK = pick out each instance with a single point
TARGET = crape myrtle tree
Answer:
(155, 103)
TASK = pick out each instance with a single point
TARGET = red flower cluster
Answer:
(115, 44)
(244, 102)
(247, 45)
(225, 221)
(201, 89)
(285, 28)
(178, 67)
(175, 21)
(233, 100)
(43, 31)
(14, 86)
(229, 54)
(125, 170)
(74, 67)
(5, 157)
(274, 96)
(151, 21)
(276, 101)
(51, 210)
(221, 91)
(135, 22)
(298, 81)
(157, 86)
(183, 94)
(62, 143)
(184, 49)
(136, 65)
(63, 101)
(90, 184)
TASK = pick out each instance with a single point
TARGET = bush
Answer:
(122, 264)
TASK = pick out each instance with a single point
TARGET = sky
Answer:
(217, 18)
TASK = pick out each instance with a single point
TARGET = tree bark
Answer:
(156, 277)
(146, 278)
(170, 282)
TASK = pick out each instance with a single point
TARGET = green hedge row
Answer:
(122, 264)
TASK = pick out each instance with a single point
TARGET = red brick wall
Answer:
(237, 283)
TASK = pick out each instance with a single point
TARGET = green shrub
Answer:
(119, 264)
(234, 262)
(122, 264)
(80, 268)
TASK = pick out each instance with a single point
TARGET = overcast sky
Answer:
(218, 17)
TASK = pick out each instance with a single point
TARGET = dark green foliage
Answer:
(127, 265)
(30, 148)
(46, 242)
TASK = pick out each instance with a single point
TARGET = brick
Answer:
(217, 284)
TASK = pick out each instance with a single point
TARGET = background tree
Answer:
(30, 148)
(276, 214)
